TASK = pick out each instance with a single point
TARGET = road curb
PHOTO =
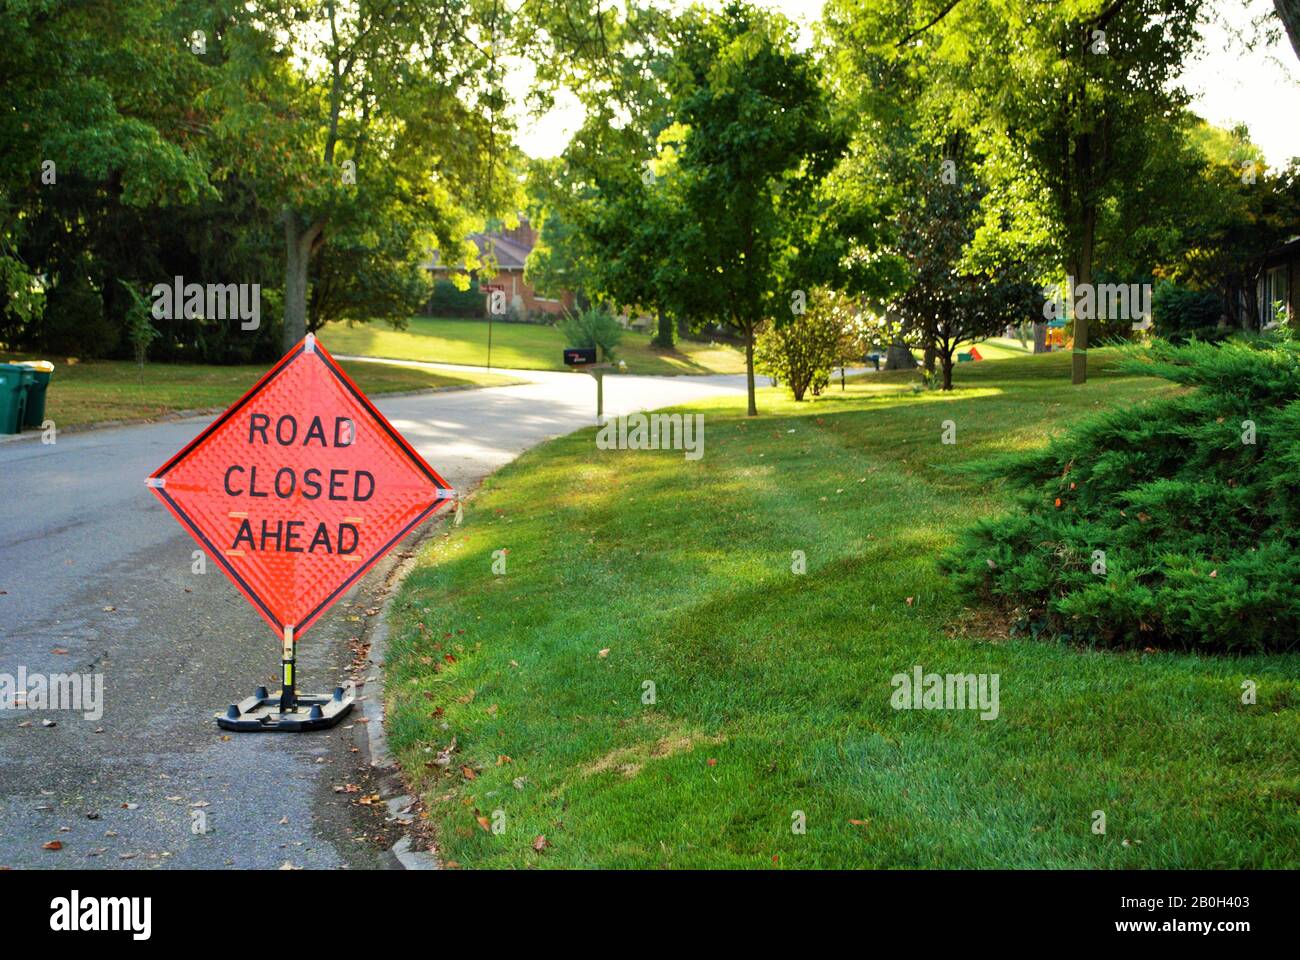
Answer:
(372, 709)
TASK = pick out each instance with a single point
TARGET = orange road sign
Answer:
(299, 488)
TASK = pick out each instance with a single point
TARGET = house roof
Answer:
(1283, 253)
(508, 253)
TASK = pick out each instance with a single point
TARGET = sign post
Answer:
(288, 702)
(295, 492)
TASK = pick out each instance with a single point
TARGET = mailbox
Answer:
(579, 356)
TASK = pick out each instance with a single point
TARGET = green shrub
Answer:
(447, 301)
(1159, 524)
(593, 327)
(74, 324)
(1178, 314)
(803, 351)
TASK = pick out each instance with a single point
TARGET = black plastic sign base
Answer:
(261, 713)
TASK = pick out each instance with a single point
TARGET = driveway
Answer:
(96, 578)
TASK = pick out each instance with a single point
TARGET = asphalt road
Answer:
(96, 578)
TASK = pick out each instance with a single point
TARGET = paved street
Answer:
(95, 577)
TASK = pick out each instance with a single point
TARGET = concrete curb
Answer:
(372, 709)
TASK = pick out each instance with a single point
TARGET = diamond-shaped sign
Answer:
(299, 488)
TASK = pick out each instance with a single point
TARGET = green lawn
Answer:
(773, 689)
(86, 392)
(524, 346)
(1001, 348)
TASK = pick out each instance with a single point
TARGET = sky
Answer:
(1229, 83)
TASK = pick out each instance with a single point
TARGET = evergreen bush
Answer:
(1170, 523)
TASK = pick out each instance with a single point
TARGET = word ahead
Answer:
(299, 488)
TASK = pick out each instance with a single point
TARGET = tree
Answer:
(1288, 11)
(84, 140)
(954, 297)
(607, 209)
(406, 102)
(757, 138)
(803, 352)
(1077, 89)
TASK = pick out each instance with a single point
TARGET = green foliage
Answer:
(73, 324)
(139, 331)
(291, 143)
(1194, 500)
(1179, 313)
(450, 301)
(756, 139)
(710, 203)
(593, 327)
(802, 352)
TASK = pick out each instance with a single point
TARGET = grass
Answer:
(92, 392)
(524, 346)
(772, 690)
(1001, 348)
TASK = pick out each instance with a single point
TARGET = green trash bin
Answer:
(41, 371)
(13, 396)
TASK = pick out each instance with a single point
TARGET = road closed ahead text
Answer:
(289, 482)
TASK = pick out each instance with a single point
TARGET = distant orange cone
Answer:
(975, 354)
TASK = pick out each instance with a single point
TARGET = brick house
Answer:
(506, 253)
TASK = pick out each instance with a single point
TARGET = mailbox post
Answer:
(591, 359)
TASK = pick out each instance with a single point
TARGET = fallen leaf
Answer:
(52, 845)
(540, 843)
(468, 773)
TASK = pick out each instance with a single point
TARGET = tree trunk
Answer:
(930, 355)
(1040, 338)
(664, 334)
(299, 244)
(1083, 275)
(749, 369)
(898, 356)
(683, 328)
(1288, 11)
(945, 361)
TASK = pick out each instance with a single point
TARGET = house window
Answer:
(1276, 289)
